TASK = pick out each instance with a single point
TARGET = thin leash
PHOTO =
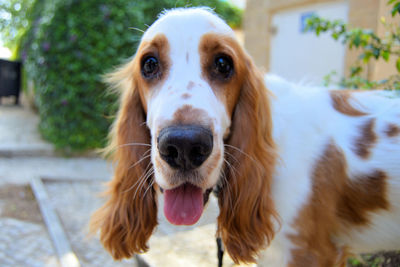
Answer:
(220, 251)
(220, 245)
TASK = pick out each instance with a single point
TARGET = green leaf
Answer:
(398, 64)
(357, 40)
(386, 55)
(376, 52)
(396, 9)
(355, 70)
(365, 56)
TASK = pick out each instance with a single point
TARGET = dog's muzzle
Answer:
(185, 147)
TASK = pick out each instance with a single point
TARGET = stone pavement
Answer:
(74, 202)
(24, 243)
(72, 185)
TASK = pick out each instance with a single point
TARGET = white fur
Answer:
(304, 122)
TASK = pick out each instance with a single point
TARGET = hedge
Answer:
(70, 45)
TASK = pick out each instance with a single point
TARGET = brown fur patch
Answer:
(187, 115)
(212, 45)
(392, 130)
(190, 85)
(367, 139)
(365, 193)
(129, 216)
(186, 96)
(158, 47)
(341, 102)
(335, 202)
(129, 75)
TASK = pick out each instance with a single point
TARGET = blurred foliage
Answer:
(230, 13)
(381, 259)
(70, 44)
(14, 21)
(370, 45)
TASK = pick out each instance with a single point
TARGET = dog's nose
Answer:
(185, 147)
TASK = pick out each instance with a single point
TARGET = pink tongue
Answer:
(183, 205)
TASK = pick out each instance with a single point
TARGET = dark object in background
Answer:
(10, 79)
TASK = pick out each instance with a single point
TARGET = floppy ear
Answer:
(128, 218)
(247, 216)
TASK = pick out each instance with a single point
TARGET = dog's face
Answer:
(190, 79)
(193, 95)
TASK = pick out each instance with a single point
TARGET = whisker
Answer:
(137, 162)
(149, 173)
(244, 153)
(234, 172)
(140, 178)
(231, 155)
(144, 156)
(133, 144)
(225, 181)
(149, 186)
(231, 167)
(239, 150)
(136, 29)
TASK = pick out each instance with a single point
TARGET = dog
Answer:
(305, 176)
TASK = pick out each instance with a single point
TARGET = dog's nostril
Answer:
(172, 152)
(185, 147)
(195, 151)
(196, 156)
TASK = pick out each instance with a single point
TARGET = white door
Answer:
(304, 57)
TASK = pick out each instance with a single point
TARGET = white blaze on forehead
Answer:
(193, 21)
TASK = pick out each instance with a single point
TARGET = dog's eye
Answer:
(150, 67)
(223, 66)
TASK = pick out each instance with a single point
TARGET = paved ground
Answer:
(74, 213)
(23, 243)
(18, 131)
(21, 169)
(72, 185)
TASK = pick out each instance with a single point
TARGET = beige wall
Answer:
(362, 13)
(256, 31)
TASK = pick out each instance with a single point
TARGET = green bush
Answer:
(70, 45)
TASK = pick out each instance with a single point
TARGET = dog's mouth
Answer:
(183, 205)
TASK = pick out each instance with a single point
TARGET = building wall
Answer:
(256, 31)
(362, 13)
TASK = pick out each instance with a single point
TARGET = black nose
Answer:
(185, 147)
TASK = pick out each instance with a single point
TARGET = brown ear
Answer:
(247, 216)
(128, 218)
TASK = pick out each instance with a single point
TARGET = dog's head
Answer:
(194, 116)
